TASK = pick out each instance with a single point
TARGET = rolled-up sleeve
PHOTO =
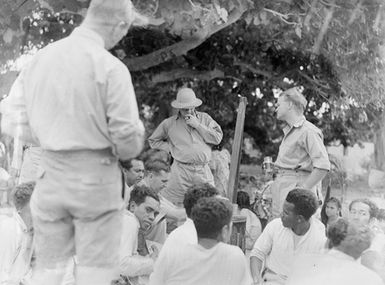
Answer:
(158, 139)
(210, 130)
(317, 150)
(124, 126)
(14, 120)
(264, 243)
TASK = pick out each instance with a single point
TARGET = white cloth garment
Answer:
(185, 234)
(15, 249)
(332, 268)
(131, 263)
(279, 246)
(191, 264)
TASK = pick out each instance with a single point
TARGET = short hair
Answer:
(243, 199)
(127, 164)
(110, 12)
(210, 215)
(381, 215)
(373, 209)
(156, 166)
(21, 194)
(334, 200)
(295, 96)
(196, 192)
(341, 228)
(140, 192)
(305, 202)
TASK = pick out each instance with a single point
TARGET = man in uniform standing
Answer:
(76, 101)
(188, 136)
(302, 158)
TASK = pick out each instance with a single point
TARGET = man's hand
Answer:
(192, 121)
(155, 252)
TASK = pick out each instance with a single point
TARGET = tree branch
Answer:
(186, 73)
(357, 8)
(252, 69)
(165, 54)
(324, 28)
(312, 9)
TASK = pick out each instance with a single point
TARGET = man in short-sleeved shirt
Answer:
(302, 158)
(188, 136)
(296, 233)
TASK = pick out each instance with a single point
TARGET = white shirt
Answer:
(222, 264)
(332, 268)
(276, 245)
(75, 95)
(15, 249)
(131, 263)
(185, 234)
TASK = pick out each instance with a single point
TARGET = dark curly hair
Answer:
(381, 215)
(373, 209)
(337, 232)
(196, 192)
(243, 200)
(156, 166)
(139, 194)
(305, 202)
(21, 194)
(210, 215)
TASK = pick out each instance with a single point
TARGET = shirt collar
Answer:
(297, 124)
(89, 34)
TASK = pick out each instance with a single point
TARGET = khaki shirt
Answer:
(302, 148)
(186, 144)
(75, 95)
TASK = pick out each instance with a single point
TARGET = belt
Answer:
(291, 171)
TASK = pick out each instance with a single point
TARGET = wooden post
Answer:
(237, 151)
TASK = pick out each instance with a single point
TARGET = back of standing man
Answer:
(77, 102)
(188, 136)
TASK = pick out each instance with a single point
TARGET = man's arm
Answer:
(158, 139)
(261, 250)
(315, 176)
(131, 263)
(256, 268)
(210, 131)
(320, 159)
(14, 120)
(124, 126)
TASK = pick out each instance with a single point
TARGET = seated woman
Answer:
(253, 224)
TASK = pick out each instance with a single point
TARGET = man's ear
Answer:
(132, 206)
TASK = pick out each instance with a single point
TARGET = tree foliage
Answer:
(230, 48)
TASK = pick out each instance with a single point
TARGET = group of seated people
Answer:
(164, 244)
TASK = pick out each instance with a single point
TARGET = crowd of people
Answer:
(91, 208)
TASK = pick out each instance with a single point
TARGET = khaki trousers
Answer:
(182, 177)
(283, 184)
(76, 210)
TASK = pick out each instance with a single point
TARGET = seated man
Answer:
(143, 209)
(211, 261)
(338, 266)
(295, 233)
(16, 237)
(186, 233)
(156, 177)
(363, 212)
(133, 173)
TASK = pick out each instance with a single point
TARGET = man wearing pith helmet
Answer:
(302, 159)
(188, 136)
